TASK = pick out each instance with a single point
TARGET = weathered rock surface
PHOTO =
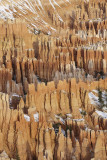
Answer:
(49, 107)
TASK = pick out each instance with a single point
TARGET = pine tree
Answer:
(17, 155)
(100, 99)
(106, 98)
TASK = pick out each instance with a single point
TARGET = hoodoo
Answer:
(53, 80)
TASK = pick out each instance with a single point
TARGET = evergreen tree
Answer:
(17, 155)
(100, 99)
(106, 98)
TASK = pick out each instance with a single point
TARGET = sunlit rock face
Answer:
(53, 80)
(37, 13)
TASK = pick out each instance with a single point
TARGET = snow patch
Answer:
(27, 118)
(93, 99)
(102, 114)
(78, 120)
(62, 130)
(36, 117)
(69, 115)
(61, 119)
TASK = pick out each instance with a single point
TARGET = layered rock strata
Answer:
(50, 82)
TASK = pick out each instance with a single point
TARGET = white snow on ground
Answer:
(61, 119)
(80, 110)
(15, 95)
(63, 131)
(102, 114)
(78, 120)
(97, 46)
(27, 118)
(69, 115)
(5, 12)
(36, 117)
(11, 8)
(56, 116)
(93, 99)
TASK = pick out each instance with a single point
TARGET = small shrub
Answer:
(100, 98)
(17, 155)
(83, 113)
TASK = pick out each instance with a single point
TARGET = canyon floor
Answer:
(53, 80)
